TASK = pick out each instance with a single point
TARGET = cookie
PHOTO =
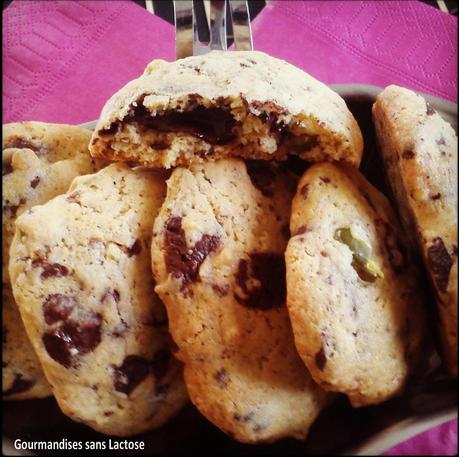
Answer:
(419, 150)
(225, 104)
(22, 376)
(353, 294)
(39, 161)
(217, 253)
(81, 275)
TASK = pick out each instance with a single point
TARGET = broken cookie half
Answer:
(225, 104)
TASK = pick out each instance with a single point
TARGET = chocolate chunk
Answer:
(50, 269)
(264, 117)
(304, 191)
(436, 196)
(135, 369)
(86, 333)
(268, 113)
(324, 179)
(159, 145)
(429, 109)
(57, 348)
(19, 385)
(213, 125)
(279, 127)
(183, 262)
(110, 130)
(131, 373)
(262, 176)
(408, 154)
(135, 249)
(35, 181)
(58, 307)
(221, 291)
(73, 337)
(221, 376)
(261, 280)
(440, 263)
(320, 359)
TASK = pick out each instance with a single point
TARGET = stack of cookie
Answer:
(205, 267)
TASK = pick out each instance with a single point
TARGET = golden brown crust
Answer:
(217, 256)
(420, 154)
(357, 335)
(256, 115)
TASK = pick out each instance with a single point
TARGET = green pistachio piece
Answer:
(367, 269)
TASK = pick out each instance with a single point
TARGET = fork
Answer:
(187, 40)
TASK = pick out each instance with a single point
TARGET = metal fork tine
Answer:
(187, 41)
(242, 30)
(218, 25)
(183, 17)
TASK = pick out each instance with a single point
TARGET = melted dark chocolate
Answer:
(83, 335)
(19, 385)
(50, 269)
(58, 307)
(135, 369)
(213, 125)
(131, 373)
(262, 176)
(183, 262)
(269, 270)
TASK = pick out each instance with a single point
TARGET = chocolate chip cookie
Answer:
(420, 155)
(239, 104)
(218, 259)
(355, 301)
(39, 161)
(81, 275)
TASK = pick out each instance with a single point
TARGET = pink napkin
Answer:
(63, 59)
(378, 42)
(440, 440)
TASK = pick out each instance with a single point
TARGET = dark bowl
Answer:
(430, 398)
